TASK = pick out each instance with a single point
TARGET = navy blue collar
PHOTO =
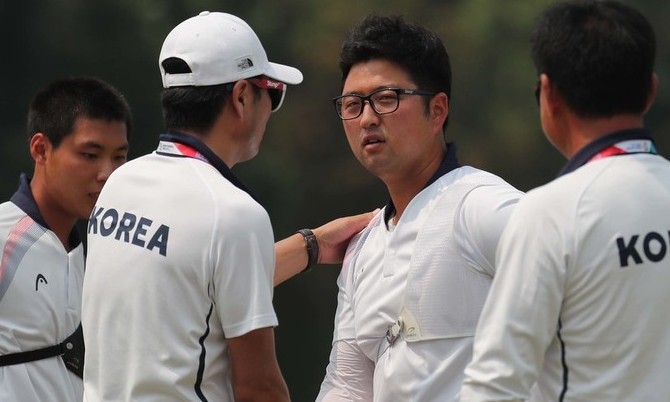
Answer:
(591, 149)
(23, 198)
(212, 158)
(449, 163)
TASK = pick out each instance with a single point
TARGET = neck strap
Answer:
(176, 144)
(626, 147)
(176, 148)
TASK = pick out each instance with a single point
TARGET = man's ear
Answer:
(550, 98)
(240, 96)
(652, 93)
(439, 109)
(39, 146)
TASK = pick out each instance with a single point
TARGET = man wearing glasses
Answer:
(414, 281)
(177, 300)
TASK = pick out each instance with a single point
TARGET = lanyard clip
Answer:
(393, 331)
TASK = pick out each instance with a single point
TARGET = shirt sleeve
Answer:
(480, 221)
(244, 266)
(521, 313)
(344, 327)
(349, 375)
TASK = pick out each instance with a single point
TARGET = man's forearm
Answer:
(291, 257)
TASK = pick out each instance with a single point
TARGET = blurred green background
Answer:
(305, 173)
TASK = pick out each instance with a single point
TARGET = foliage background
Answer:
(305, 174)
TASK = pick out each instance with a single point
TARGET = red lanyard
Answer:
(626, 147)
(176, 148)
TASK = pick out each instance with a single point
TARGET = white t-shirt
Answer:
(580, 299)
(179, 260)
(373, 285)
(40, 302)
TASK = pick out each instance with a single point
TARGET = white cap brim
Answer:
(285, 74)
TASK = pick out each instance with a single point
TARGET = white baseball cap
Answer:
(219, 48)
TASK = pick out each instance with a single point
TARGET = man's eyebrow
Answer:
(380, 87)
(95, 145)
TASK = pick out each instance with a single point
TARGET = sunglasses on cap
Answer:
(276, 89)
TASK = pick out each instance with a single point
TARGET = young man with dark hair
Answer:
(413, 282)
(578, 308)
(78, 134)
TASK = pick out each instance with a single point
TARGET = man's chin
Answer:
(85, 211)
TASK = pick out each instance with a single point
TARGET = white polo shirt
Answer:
(580, 298)
(373, 286)
(180, 259)
(40, 302)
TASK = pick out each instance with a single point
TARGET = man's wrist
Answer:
(312, 246)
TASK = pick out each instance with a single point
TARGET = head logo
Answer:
(40, 279)
(245, 64)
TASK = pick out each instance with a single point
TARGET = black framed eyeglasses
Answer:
(382, 101)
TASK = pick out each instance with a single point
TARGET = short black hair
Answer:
(54, 110)
(598, 54)
(193, 108)
(419, 51)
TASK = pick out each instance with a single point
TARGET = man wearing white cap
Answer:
(177, 300)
